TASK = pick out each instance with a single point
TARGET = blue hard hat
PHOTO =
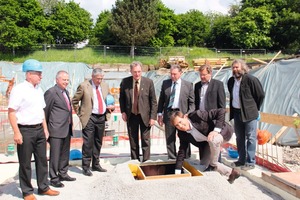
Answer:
(110, 100)
(75, 154)
(32, 65)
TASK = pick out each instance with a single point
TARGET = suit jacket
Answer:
(84, 95)
(215, 95)
(57, 112)
(204, 122)
(147, 99)
(186, 99)
(251, 97)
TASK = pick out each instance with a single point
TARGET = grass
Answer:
(93, 55)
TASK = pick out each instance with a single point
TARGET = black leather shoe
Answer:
(66, 178)
(234, 175)
(57, 184)
(209, 168)
(87, 172)
(99, 169)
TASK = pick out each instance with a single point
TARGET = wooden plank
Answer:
(289, 178)
(280, 132)
(281, 120)
(268, 178)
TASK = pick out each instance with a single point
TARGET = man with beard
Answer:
(246, 97)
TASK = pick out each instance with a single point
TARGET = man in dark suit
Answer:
(89, 104)
(176, 95)
(58, 114)
(209, 94)
(138, 107)
(204, 126)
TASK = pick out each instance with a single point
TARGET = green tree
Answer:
(166, 27)
(193, 29)
(219, 36)
(101, 30)
(70, 23)
(22, 24)
(134, 22)
(251, 28)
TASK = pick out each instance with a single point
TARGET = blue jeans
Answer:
(245, 139)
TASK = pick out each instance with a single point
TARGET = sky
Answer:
(95, 7)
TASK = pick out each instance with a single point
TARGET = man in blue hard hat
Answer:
(27, 118)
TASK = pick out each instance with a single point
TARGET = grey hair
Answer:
(60, 72)
(207, 67)
(97, 71)
(175, 67)
(244, 66)
(136, 63)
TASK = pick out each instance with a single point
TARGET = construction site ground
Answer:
(119, 183)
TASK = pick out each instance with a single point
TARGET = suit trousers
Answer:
(92, 136)
(59, 157)
(34, 142)
(211, 156)
(135, 123)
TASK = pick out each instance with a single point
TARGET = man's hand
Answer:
(151, 122)
(110, 108)
(18, 138)
(124, 117)
(211, 135)
(160, 120)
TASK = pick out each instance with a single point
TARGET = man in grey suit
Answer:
(176, 95)
(58, 114)
(209, 94)
(89, 104)
(138, 107)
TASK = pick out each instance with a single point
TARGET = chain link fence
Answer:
(158, 52)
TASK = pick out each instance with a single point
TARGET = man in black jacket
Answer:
(246, 97)
(204, 126)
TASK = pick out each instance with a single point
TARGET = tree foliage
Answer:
(134, 22)
(193, 29)
(166, 27)
(251, 28)
(219, 36)
(70, 23)
(22, 24)
(102, 31)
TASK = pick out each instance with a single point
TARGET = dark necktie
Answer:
(172, 96)
(136, 98)
(100, 103)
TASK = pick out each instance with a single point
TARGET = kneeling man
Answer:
(206, 130)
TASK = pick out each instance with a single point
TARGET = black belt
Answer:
(29, 126)
(236, 109)
(97, 115)
(173, 109)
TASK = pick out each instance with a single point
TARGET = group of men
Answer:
(196, 114)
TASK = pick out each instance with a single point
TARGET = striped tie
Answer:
(172, 96)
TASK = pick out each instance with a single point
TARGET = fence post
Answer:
(104, 50)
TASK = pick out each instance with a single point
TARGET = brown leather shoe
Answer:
(49, 192)
(234, 175)
(29, 197)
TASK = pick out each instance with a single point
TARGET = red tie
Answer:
(136, 98)
(100, 103)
